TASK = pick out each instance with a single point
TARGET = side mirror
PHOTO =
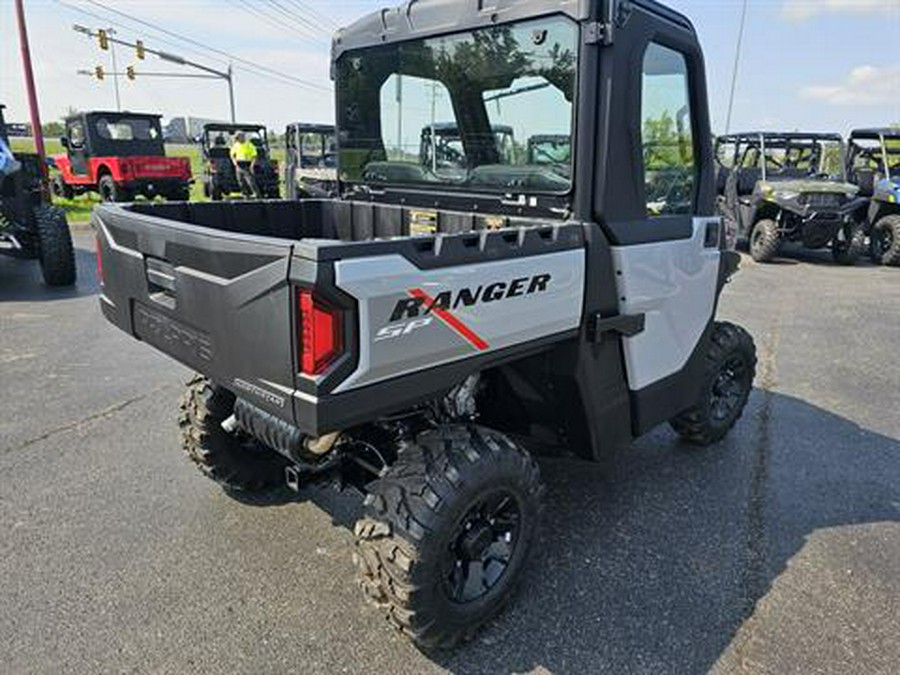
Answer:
(64, 142)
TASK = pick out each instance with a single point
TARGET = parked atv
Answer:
(29, 226)
(873, 164)
(311, 165)
(119, 156)
(219, 176)
(412, 336)
(777, 188)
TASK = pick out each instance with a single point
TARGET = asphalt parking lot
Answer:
(777, 551)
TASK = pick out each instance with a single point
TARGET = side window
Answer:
(76, 134)
(667, 138)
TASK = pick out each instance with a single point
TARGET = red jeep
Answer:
(119, 155)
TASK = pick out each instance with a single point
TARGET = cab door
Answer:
(77, 147)
(659, 205)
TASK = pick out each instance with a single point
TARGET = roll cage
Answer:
(756, 150)
(883, 157)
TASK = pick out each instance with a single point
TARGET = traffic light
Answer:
(129, 72)
(103, 39)
(98, 71)
(139, 48)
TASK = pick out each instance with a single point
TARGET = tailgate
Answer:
(215, 301)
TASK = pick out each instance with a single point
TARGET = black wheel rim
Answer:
(482, 547)
(728, 389)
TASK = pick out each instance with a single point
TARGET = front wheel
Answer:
(728, 371)
(57, 255)
(885, 241)
(764, 241)
(446, 532)
(60, 189)
(849, 245)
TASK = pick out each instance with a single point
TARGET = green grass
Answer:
(78, 210)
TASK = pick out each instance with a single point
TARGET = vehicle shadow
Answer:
(21, 280)
(655, 567)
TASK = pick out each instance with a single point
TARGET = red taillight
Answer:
(99, 261)
(321, 333)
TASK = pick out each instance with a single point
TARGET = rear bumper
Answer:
(159, 186)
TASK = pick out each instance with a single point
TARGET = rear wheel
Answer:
(233, 460)
(850, 244)
(764, 241)
(57, 255)
(110, 191)
(446, 532)
(728, 371)
(885, 241)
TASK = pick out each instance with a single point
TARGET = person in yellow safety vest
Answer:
(243, 156)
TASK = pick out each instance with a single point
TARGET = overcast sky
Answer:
(811, 64)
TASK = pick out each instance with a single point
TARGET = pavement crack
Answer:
(753, 583)
(105, 413)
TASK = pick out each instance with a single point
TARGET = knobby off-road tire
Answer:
(234, 461)
(852, 247)
(728, 371)
(59, 188)
(886, 241)
(446, 531)
(110, 191)
(56, 253)
(764, 241)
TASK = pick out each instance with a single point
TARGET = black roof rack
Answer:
(875, 134)
(776, 136)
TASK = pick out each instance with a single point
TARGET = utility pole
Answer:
(112, 51)
(36, 131)
(230, 80)
(737, 62)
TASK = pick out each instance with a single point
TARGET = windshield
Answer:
(869, 154)
(796, 157)
(458, 110)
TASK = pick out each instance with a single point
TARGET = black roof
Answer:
(311, 128)
(785, 136)
(219, 126)
(426, 18)
(453, 126)
(114, 114)
(875, 134)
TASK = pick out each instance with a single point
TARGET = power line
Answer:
(326, 22)
(179, 46)
(214, 50)
(737, 63)
(277, 21)
(296, 19)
